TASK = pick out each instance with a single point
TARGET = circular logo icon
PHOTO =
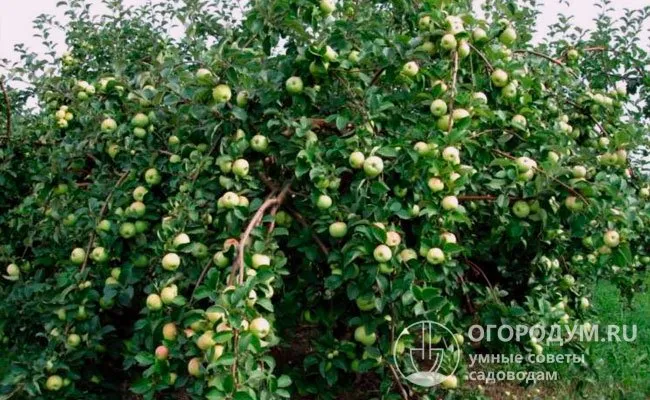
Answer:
(423, 351)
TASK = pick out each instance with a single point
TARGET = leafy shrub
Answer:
(255, 210)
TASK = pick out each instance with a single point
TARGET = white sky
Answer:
(17, 15)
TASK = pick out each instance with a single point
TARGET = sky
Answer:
(16, 24)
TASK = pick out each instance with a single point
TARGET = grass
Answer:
(622, 370)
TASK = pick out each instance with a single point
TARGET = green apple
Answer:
(509, 91)
(427, 47)
(203, 75)
(438, 107)
(242, 98)
(338, 229)
(435, 256)
(173, 140)
(171, 262)
(644, 192)
(480, 98)
(450, 382)
(463, 49)
(78, 256)
(108, 125)
(373, 166)
(584, 303)
(194, 367)
(362, 336)
(567, 281)
(579, 171)
(181, 239)
(521, 209)
(220, 259)
(450, 203)
(572, 54)
(260, 327)
(357, 159)
(407, 255)
(161, 353)
(137, 209)
(448, 42)
(112, 150)
(169, 331)
(54, 383)
(354, 57)
(451, 155)
(435, 184)
(168, 294)
(240, 167)
(553, 157)
(519, 121)
(410, 69)
(99, 255)
(508, 36)
(205, 341)
(424, 23)
(294, 85)
(13, 271)
(460, 113)
(229, 200)
(366, 302)
(525, 164)
(140, 120)
(330, 55)
(152, 176)
(382, 253)
(479, 35)
(73, 340)
(393, 239)
(260, 261)
(154, 303)
(127, 230)
(448, 237)
(324, 202)
(139, 193)
(141, 226)
(140, 133)
(259, 143)
(499, 78)
(611, 238)
(327, 7)
(221, 93)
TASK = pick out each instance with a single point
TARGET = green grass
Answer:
(623, 368)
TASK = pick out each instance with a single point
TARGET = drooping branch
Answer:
(547, 57)
(8, 108)
(304, 223)
(454, 79)
(554, 179)
(271, 201)
(483, 57)
(102, 211)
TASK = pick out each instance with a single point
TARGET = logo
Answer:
(423, 351)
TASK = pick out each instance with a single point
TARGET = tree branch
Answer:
(99, 217)
(454, 79)
(547, 57)
(238, 265)
(483, 57)
(569, 188)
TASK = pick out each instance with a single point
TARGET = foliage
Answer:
(146, 150)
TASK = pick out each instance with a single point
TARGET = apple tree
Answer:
(257, 209)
